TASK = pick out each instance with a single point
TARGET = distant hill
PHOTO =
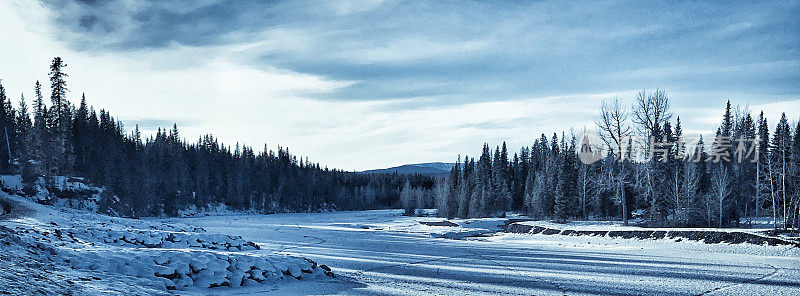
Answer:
(430, 168)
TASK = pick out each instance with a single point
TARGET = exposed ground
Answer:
(707, 235)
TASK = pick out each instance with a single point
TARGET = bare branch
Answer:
(613, 125)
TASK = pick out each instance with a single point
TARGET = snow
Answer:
(55, 250)
(211, 210)
(385, 253)
(89, 254)
(11, 182)
(73, 184)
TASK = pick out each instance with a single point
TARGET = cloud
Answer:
(469, 51)
(365, 84)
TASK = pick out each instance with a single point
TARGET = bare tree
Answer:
(622, 174)
(651, 110)
(586, 186)
(613, 126)
(441, 189)
(770, 175)
(676, 188)
(783, 183)
(757, 196)
(614, 129)
(691, 182)
(720, 190)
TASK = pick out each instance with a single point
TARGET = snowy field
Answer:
(385, 253)
(54, 250)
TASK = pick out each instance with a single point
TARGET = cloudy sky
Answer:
(370, 84)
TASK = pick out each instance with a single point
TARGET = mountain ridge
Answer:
(427, 168)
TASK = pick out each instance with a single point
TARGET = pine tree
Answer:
(449, 208)
(24, 127)
(7, 121)
(762, 173)
(567, 180)
(781, 159)
(521, 172)
(79, 135)
(465, 189)
(58, 87)
(25, 145)
(727, 121)
(743, 166)
(60, 116)
(677, 174)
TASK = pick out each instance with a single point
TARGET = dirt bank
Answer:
(709, 237)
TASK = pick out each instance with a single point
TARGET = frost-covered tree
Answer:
(587, 184)
(408, 199)
(441, 190)
(720, 191)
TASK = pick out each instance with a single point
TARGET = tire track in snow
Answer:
(509, 268)
(361, 274)
(775, 271)
(427, 286)
(412, 263)
(318, 241)
(286, 246)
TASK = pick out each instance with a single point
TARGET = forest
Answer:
(647, 171)
(164, 173)
(744, 173)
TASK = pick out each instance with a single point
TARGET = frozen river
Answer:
(383, 253)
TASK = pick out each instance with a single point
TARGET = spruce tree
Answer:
(58, 88)
(60, 116)
(567, 180)
(762, 159)
(781, 159)
(451, 205)
(7, 123)
(23, 131)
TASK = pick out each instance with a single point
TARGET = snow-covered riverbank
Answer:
(383, 252)
(53, 250)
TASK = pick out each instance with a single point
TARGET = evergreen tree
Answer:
(762, 160)
(7, 121)
(26, 145)
(566, 191)
(162, 173)
(60, 117)
(24, 127)
(58, 88)
(781, 159)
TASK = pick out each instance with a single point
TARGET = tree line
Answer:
(163, 173)
(675, 184)
(669, 183)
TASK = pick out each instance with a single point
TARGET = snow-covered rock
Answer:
(160, 256)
